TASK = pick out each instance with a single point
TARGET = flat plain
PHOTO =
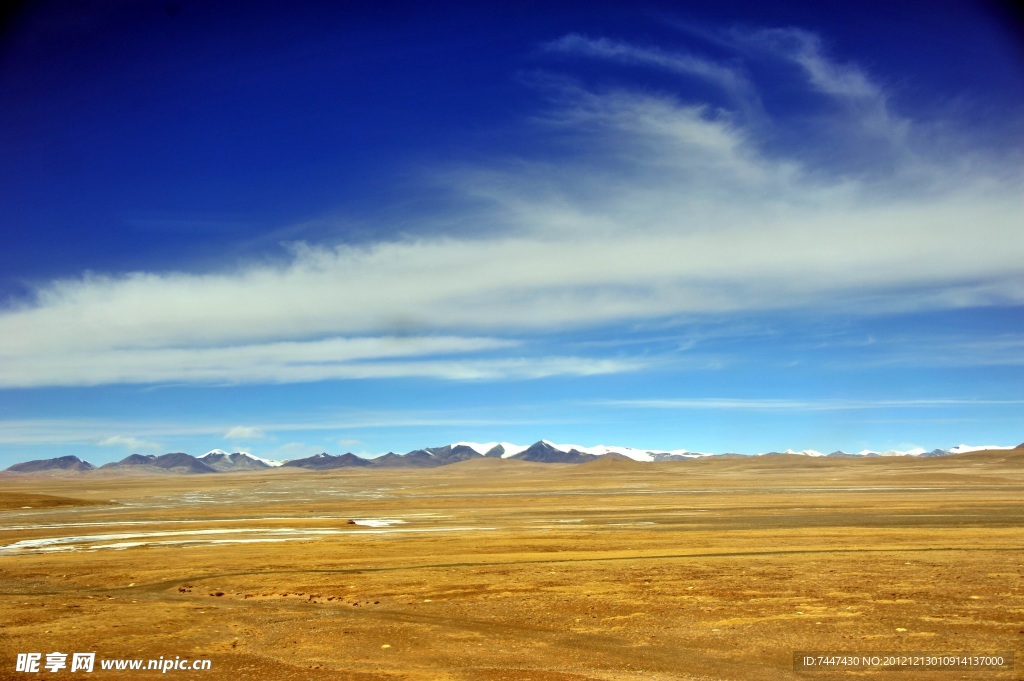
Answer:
(489, 569)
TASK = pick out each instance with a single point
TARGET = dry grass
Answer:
(27, 500)
(714, 569)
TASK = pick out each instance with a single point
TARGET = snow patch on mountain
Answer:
(917, 451)
(601, 450)
(510, 449)
(806, 452)
(270, 462)
(220, 452)
(963, 449)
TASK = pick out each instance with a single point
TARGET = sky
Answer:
(289, 228)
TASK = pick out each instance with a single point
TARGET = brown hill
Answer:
(17, 500)
(325, 461)
(611, 462)
(61, 463)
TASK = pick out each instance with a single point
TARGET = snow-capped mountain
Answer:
(512, 451)
(543, 451)
(803, 452)
(507, 449)
(324, 461)
(917, 451)
(546, 451)
(963, 449)
(924, 453)
(236, 461)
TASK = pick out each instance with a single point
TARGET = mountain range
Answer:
(542, 451)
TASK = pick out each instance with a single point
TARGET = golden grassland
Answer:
(710, 569)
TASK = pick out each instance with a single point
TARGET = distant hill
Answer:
(131, 461)
(182, 462)
(418, 458)
(236, 461)
(545, 452)
(453, 453)
(612, 462)
(325, 461)
(175, 462)
(542, 451)
(62, 463)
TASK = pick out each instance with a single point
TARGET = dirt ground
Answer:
(491, 570)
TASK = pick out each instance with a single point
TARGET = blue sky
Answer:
(711, 226)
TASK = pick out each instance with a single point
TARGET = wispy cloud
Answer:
(659, 209)
(782, 405)
(95, 431)
(294, 450)
(130, 443)
(244, 433)
(225, 366)
(1004, 350)
(729, 78)
(846, 83)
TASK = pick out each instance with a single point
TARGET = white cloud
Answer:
(93, 431)
(848, 84)
(805, 48)
(244, 433)
(717, 403)
(87, 431)
(956, 351)
(294, 450)
(731, 80)
(663, 209)
(234, 365)
(130, 443)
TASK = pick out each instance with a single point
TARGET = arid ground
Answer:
(491, 569)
